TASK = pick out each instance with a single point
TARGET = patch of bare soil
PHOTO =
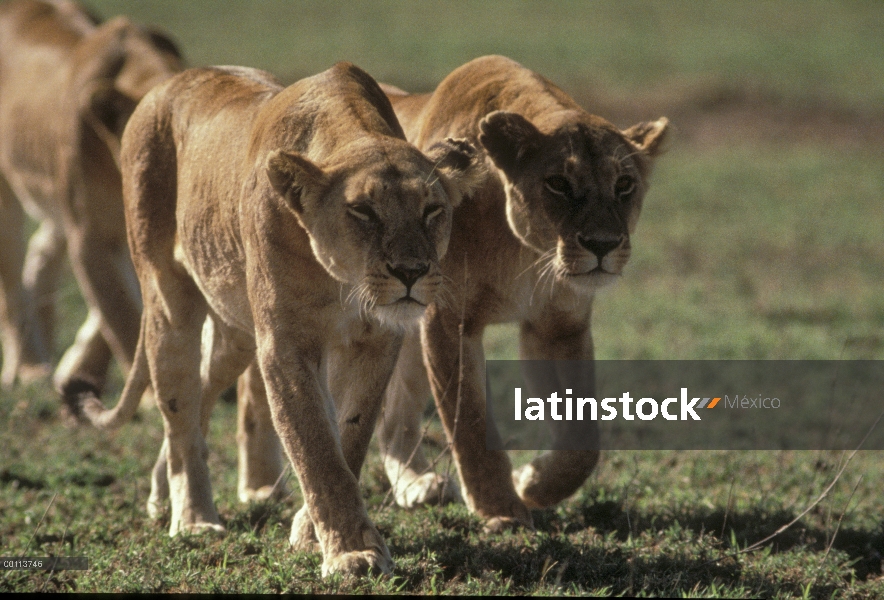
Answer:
(721, 115)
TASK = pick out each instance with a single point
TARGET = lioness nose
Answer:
(408, 275)
(599, 246)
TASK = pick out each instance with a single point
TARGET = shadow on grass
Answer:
(253, 517)
(559, 563)
(675, 564)
(864, 547)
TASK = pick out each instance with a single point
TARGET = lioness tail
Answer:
(81, 396)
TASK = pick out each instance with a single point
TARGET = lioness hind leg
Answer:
(108, 282)
(400, 434)
(25, 352)
(41, 273)
(260, 454)
(89, 356)
(174, 318)
(159, 484)
(225, 353)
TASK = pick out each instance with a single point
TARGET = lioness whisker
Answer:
(545, 271)
(543, 257)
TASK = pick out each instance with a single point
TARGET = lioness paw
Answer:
(199, 528)
(501, 524)
(359, 563)
(262, 493)
(303, 537)
(552, 477)
(427, 490)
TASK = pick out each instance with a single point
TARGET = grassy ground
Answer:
(758, 240)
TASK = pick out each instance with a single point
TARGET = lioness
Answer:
(550, 227)
(67, 86)
(295, 226)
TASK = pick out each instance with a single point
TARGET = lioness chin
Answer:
(67, 87)
(294, 227)
(549, 227)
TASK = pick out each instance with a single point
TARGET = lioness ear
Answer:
(109, 106)
(161, 41)
(649, 137)
(292, 176)
(461, 163)
(508, 138)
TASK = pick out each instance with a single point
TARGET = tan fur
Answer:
(67, 86)
(523, 250)
(296, 228)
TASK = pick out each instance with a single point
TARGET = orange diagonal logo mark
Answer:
(713, 403)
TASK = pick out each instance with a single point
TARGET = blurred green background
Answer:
(816, 47)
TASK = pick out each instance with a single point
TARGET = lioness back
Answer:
(201, 117)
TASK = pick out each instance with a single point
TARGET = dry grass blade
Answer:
(810, 507)
(37, 528)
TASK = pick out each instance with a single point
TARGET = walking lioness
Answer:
(295, 226)
(549, 227)
(67, 86)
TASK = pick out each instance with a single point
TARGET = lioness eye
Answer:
(363, 212)
(558, 185)
(624, 186)
(431, 213)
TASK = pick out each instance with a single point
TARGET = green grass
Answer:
(744, 250)
(730, 262)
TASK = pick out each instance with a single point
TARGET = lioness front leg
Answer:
(349, 540)
(104, 273)
(357, 375)
(400, 433)
(558, 336)
(456, 364)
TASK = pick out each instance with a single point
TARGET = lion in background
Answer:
(67, 87)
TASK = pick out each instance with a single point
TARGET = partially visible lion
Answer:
(67, 87)
(550, 227)
(296, 227)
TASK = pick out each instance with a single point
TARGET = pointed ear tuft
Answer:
(650, 137)
(111, 107)
(460, 162)
(162, 42)
(508, 138)
(293, 176)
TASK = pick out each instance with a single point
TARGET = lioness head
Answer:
(574, 187)
(381, 220)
